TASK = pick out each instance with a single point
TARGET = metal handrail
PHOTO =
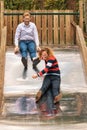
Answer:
(45, 13)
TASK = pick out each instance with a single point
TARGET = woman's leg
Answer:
(56, 88)
(50, 104)
(45, 85)
(45, 103)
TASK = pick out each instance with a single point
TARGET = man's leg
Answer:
(23, 51)
(32, 52)
(24, 61)
(35, 63)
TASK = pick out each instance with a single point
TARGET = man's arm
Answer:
(36, 38)
(16, 40)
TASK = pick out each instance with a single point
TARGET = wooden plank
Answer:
(9, 29)
(85, 14)
(0, 22)
(2, 64)
(1, 17)
(5, 21)
(50, 27)
(38, 25)
(5, 18)
(15, 24)
(56, 38)
(82, 45)
(62, 29)
(20, 17)
(73, 31)
(81, 14)
(33, 17)
(68, 29)
(3, 49)
(44, 29)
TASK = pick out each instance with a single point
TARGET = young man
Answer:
(27, 41)
(52, 78)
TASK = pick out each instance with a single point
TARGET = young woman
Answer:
(52, 78)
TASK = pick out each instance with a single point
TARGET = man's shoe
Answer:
(35, 62)
(35, 69)
(25, 73)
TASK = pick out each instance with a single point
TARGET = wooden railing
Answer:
(80, 41)
(1, 17)
(83, 48)
(3, 32)
(2, 64)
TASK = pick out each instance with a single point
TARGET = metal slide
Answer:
(72, 80)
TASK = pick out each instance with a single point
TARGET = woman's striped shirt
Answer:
(52, 67)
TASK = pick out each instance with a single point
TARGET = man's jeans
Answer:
(27, 46)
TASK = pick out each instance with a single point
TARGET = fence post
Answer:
(81, 14)
(2, 52)
(2, 64)
(85, 14)
(1, 16)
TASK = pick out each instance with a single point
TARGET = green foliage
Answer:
(36, 4)
(19, 4)
(55, 4)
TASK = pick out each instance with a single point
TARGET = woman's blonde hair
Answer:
(47, 49)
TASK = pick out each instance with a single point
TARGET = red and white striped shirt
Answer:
(52, 67)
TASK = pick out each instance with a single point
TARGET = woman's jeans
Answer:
(47, 90)
(27, 46)
(52, 81)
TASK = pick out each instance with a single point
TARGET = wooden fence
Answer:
(54, 30)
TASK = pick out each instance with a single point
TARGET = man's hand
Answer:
(38, 48)
(16, 50)
(34, 76)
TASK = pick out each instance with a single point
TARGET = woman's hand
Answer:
(34, 76)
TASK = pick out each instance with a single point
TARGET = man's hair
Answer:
(26, 14)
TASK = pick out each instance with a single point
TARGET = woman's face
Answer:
(44, 55)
